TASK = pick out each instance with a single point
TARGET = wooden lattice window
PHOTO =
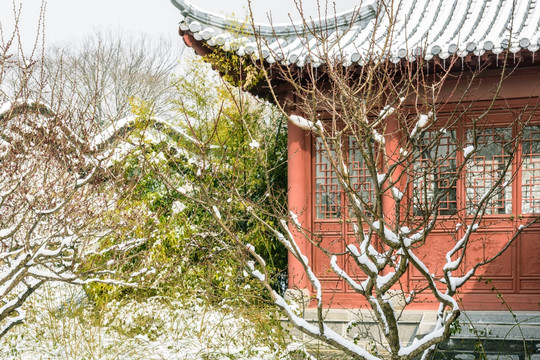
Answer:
(435, 173)
(327, 189)
(360, 176)
(486, 168)
(530, 167)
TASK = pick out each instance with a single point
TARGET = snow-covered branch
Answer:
(52, 202)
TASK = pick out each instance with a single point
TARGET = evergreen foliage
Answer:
(221, 138)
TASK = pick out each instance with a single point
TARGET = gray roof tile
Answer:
(427, 28)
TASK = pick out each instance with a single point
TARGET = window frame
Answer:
(496, 119)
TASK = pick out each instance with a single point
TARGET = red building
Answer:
(458, 37)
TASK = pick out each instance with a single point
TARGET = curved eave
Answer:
(197, 18)
(522, 57)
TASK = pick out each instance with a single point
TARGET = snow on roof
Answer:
(427, 28)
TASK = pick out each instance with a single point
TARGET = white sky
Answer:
(72, 20)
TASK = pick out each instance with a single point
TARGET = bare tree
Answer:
(55, 192)
(402, 152)
(108, 70)
(59, 188)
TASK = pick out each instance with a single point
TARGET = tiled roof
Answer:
(427, 28)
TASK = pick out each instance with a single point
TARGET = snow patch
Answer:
(178, 207)
(83, 181)
(423, 120)
(254, 144)
(386, 111)
(382, 280)
(5, 107)
(216, 211)
(398, 195)
(109, 132)
(4, 233)
(186, 329)
(389, 234)
(378, 137)
(344, 275)
(304, 123)
(405, 351)
(377, 307)
(468, 150)
(295, 220)
(405, 230)
(362, 258)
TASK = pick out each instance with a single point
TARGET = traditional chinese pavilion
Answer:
(476, 33)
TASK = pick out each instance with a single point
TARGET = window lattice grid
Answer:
(486, 167)
(434, 173)
(361, 180)
(327, 189)
(530, 170)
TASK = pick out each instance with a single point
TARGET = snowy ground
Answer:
(62, 325)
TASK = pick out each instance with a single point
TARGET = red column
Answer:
(392, 135)
(392, 147)
(299, 194)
